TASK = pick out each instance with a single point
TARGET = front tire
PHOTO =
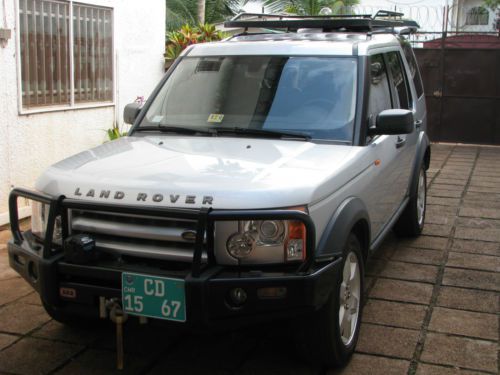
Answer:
(411, 222)
(331, 334)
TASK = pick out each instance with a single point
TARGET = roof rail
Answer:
(387, 13)
(352, 22)
(294, 16)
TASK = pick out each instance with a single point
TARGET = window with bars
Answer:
(477, 16)
(47, 64)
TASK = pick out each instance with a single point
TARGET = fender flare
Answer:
(334, 237)
(423, 146)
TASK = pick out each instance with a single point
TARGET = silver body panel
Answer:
(240, 173)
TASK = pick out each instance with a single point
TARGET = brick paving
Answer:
(432, 306)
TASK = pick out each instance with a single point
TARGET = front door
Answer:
(405, 144)
(384, 192)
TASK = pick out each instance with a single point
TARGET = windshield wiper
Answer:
(174, 129)
(223, 130)
(262, 133)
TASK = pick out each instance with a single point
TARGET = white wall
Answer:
(30, 143)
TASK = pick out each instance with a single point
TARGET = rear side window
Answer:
(380, 94)
(415, 73)
(399, 80)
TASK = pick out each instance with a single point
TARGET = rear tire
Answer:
(411, 222)
(328, 337)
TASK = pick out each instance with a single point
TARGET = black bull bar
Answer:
(204, 217)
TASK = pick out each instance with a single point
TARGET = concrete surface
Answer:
(432, 306)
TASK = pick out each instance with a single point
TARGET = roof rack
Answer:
(382, 20)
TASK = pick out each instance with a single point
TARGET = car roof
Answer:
(304, 42)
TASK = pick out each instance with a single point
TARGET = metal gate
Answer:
(462, 88)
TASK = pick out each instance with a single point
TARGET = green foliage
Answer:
(115, 133)
(492, 4)
(313, 7)
(181, 12)
(178, 40)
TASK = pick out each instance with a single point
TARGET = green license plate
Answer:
(154, 297)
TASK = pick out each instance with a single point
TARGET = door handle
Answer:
(400, 142)
(418, 124)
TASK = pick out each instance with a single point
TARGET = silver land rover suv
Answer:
(254, 184)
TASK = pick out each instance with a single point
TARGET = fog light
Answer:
(240, 245)
(237, 296)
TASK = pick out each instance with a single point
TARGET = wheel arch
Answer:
(422, 158)
(362, 230)
(427, 157)
(350, 216)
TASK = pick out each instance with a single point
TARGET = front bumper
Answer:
(207, 285)
(206, 295)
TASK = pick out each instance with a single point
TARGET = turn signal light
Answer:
(295, 245)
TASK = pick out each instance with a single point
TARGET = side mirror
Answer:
(130, 112)
(394, 121)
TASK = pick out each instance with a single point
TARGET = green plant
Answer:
(208, 33)
(492, 4)
(178, 40)
(115, 133)
(180, 12)
(313, 7)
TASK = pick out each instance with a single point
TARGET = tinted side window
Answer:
(412, 62)
(380, 94)
(399, 80)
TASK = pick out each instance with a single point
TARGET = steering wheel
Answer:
(317, 110)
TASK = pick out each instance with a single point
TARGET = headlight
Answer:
(261, 241)
(39, 219)
(271, 232)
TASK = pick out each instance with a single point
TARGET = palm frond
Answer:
(312, 7)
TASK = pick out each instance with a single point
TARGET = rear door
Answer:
(414, 76)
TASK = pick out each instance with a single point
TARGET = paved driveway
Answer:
(432, 307)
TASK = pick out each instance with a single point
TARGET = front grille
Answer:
(137, 235)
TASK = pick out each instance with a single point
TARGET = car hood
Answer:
(187, 171)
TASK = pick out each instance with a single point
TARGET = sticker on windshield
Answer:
(215, 117)
(157, 118)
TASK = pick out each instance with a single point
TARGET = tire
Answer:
(411, 222)
(322, 340)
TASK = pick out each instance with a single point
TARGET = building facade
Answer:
(67, 69)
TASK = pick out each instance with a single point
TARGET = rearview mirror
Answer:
(130, 112)
(394, 121)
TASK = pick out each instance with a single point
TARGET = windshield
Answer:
(315, 96)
